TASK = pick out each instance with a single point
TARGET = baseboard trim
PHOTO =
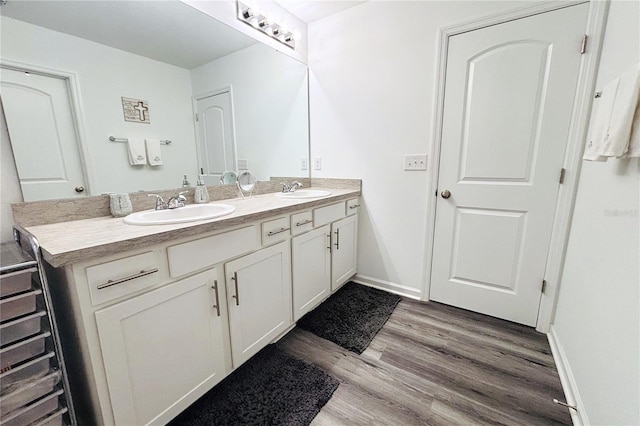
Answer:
(412, 293)
(569, 386)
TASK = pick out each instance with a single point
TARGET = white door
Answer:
(216, 136)
(259, 299)
(147, 341)
(344, 250)
(311, 266)
(43, 135)
(507, 108)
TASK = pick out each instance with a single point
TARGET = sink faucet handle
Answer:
(159, 201)
(294, 185)
(285, 187)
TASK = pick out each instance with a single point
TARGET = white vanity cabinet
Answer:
(311, 267)
(259, 299)
(344, 250)
(164, 349)
(326, 257)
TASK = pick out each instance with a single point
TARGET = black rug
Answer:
(352, 316)
(272, 388)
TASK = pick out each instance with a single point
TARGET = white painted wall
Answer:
(268, 88)
(597, 320)
(373, 70)
(105, 75)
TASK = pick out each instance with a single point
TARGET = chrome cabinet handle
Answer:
(140, 274)
(237, 295)
(445, 194)
(215, 289)
(329, 237)
(355, 206)
(304, 222)
(337, 244)
(79, 188)
(272, 233)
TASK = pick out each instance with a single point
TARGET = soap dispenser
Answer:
(201, 194)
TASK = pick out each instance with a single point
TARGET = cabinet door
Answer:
(259, 298)
(164, 349)
(311, 265)
(344, 250)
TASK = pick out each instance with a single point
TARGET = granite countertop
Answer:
(66, 243)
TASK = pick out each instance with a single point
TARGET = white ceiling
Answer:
(167, 31)
(312, 10)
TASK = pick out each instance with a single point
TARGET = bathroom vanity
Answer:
(155, 316)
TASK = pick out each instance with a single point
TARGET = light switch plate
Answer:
(415, 162)
(317, 163)
(304, 163)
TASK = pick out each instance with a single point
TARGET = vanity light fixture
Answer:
(267, 26)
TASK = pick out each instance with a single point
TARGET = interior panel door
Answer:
(508, 101)
(43, 136)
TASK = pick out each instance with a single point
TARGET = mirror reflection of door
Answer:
(43, 135)
(216, 137)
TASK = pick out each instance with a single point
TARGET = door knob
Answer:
(445, 194)
(79, 188)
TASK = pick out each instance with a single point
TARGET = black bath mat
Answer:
(352, 316)
(272, 388)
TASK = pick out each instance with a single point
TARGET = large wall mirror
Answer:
(144, 71)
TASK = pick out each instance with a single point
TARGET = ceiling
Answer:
(168, 31)
(312, 10)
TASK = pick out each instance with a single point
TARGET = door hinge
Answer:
(197, 119)
(583, 45)
(544, 286)
(563, 171)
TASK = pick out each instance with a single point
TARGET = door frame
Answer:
(77, 114)
(199, 141)
(596, 21)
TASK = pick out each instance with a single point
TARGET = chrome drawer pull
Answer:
(215, 288)
(237, 295)
(304, 222)
(142, 273)
(272, 233)
(337, 244)
(355, 206)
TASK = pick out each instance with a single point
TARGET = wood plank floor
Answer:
(438, 365)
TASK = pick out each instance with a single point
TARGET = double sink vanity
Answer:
(152, 315)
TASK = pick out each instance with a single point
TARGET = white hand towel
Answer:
(613, 121)
(634, 142)
(599, 125)
(153, 152)
(136, 152)
(624, 110)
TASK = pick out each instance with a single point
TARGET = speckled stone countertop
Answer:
(66, 243)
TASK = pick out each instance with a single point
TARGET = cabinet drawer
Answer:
(20, 304)
(275, 231)
(15, 282)
(352, 206)
(111, 280)
(301, 222)
(194, 255)
(328, 214)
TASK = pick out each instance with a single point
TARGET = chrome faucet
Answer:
(174, 202)
(291, 188)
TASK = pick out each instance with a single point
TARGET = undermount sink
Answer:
(304, 193)
(190, 213)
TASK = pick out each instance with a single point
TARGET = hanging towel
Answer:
(137, 154)
(613, 121)
(634, 142)
(599, 125)
(154, 155)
